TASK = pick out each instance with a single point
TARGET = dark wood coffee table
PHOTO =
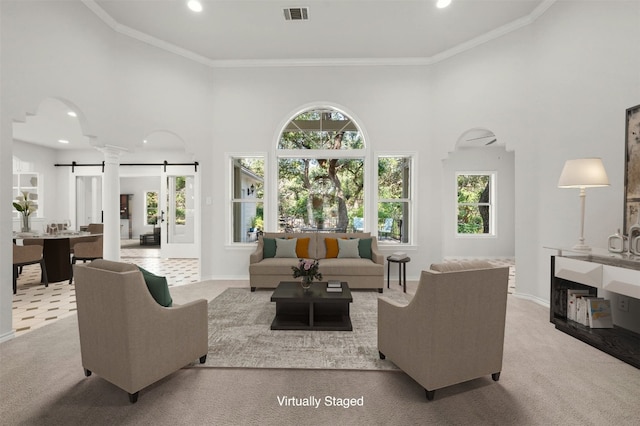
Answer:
(314, 309)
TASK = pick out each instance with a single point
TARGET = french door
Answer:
(179, 210)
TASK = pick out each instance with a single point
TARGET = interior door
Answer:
(88, 201)
(179, 207)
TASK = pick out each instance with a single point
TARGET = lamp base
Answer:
(581, 247)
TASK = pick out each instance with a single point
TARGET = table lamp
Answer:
(583, 173)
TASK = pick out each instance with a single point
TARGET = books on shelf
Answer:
(573, 296)
(600, 313)
(398, 255)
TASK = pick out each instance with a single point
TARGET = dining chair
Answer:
(27, 255)
(86, 251)
(95, 228)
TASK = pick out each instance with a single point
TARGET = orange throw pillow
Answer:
(302, 248)
(332, 247)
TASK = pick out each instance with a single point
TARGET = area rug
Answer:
(240, 335)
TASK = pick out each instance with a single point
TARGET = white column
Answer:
(111, 201)
(6, 224)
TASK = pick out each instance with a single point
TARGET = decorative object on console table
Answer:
(583, 173)
(632, 170)
(617, 243)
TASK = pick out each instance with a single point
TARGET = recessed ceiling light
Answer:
(72, 114)
(144, 141)
(194, 5)
(63, 141)
(443, 3)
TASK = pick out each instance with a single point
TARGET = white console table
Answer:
(598, 269)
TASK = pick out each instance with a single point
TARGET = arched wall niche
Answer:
(480, 151)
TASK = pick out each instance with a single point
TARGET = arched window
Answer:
(321, 172)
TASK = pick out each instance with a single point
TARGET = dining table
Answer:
(56, 250)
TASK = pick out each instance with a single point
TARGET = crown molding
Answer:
(321, 62)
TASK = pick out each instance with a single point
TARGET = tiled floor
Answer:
(35, 305)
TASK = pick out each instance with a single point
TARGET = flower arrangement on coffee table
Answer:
(308, 269)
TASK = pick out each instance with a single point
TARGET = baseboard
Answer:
(535, 299)
(7, 336)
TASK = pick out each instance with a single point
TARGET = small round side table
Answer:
(402, 271)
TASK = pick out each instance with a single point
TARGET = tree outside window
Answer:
(151, 207)
(475, 203)
(394, 198)
(320, 172)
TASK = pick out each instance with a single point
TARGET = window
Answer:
(476, 203)
(247, 196)
(151, 208)
(394, 198)
(27, 184)
(320, 173)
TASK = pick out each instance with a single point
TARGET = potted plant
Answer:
(26, 207)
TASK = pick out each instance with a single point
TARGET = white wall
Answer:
(553, 90)
(391, 104)
(502, 244)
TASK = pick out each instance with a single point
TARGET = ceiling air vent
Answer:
(296, 13)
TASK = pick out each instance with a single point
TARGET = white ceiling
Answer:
(250, 32)
(228, 30)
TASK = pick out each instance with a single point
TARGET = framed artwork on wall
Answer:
(632, 168)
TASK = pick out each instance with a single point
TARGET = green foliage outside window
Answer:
(320, 193)
(152, 208)
(474, 204)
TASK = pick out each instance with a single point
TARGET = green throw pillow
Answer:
(269, 248)
(286, 247)
(158, 288)
(364, 248)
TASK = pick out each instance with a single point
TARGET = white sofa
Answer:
(359, 273)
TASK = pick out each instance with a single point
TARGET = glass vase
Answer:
(305, 282)
(26, 223)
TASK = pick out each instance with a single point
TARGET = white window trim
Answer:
(493, 224)
(413, 192)
(230, 200)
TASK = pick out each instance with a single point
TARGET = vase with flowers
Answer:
(26, 207)
(307, 270)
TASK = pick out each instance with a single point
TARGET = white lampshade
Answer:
(583, 173)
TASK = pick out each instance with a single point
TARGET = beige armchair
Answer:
(125, 336)
(452, 331)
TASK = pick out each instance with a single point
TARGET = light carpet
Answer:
(240, 335)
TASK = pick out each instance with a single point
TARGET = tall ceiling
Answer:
(250, 32)
(231, 30)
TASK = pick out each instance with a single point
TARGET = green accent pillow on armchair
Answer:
(158, 287)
